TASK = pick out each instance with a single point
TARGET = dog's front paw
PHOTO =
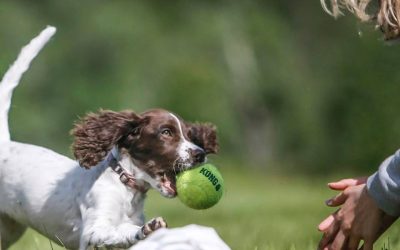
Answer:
(151, 226)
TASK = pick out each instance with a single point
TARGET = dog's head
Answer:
(157, 142)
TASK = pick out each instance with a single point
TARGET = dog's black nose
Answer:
(198, 154)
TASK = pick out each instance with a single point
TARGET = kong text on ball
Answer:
(201, 187)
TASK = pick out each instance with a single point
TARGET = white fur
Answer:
(13, 76)
(185, 146)
(51, 193)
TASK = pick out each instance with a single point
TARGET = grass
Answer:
(257, 212)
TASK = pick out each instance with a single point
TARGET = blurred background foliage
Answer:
(289, 88)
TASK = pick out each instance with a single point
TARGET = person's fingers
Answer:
(353, 243)
(325, 224)
(337, 200)
(345, 183)
(339, 242)
(342, 184)
(329, 232)
(328, 237)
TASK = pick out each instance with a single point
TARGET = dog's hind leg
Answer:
(10, 231)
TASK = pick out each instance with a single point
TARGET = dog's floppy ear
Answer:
(97, 133)
(204, 135)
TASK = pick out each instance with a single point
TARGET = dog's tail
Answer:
(13, 75)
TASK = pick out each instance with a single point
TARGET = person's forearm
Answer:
(384, 185)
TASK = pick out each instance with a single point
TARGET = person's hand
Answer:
(359, 218)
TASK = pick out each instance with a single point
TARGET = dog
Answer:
(96, 200)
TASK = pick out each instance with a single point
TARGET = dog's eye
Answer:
(166, 131)
(136, 131)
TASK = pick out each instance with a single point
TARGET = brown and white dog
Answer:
(97, 201)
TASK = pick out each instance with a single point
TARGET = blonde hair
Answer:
(383, 13)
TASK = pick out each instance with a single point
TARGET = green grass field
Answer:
(257, 212)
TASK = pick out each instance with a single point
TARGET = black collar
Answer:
(125, 177)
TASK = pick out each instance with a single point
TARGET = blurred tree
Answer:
(287, 86)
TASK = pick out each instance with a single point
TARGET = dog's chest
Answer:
(115, 201)
(137, 208)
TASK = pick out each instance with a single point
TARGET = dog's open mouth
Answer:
(168, 181)
(168, 184)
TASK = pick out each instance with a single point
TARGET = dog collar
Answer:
(126, 178)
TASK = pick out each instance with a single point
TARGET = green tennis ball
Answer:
(201, 187)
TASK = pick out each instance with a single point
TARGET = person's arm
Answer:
(384, 185)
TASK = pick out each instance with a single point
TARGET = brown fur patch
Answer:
(204, 135)
(97, 133)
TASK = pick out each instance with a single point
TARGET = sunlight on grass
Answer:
(257, 212)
